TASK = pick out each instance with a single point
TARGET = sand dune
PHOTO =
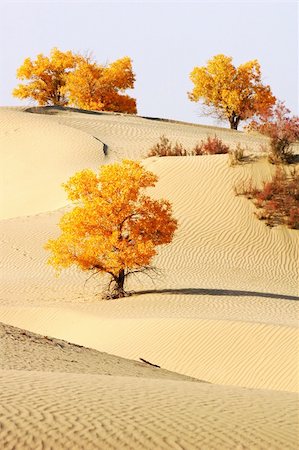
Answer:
(36, 156)
(46, 354)
(67, 396)
(223, 310)
(77, 411)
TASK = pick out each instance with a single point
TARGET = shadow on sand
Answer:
(217, 292)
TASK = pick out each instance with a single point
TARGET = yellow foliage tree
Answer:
(114, 227)
(65, 78)
(231, 93)
(92, 86)
(47, 77)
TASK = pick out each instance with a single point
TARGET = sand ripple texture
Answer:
(225, 307)
(73, 411)
(131, 136)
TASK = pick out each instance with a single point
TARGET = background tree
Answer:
(114, 227)
(283, 131)
(65, 78)
(92, 86)
(231, 93)
(46, 77)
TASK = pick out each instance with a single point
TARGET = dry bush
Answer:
(280, 153)
(165, 148)
(278, 200)
(198, 149)
(283, 131)
(246, 189)
(162, 148)
(237, 155)
(179, 150)
(212, 146)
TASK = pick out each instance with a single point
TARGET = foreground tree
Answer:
(65, 78)
(114, 227)
(92, 86)
(283, 131)
(46, 77)
(231, 93)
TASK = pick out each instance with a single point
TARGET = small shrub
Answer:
(198, 149)
(178, 150)
(162, 148)
(282, 130)
(212, 146)
(237, 155)
(165, 148)
(278, 200)
(246, 189)
(280, 153)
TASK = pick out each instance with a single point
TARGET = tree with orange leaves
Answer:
(65, 78)
(92, 86)
(114, 227)
(47, 77)
(231, 93)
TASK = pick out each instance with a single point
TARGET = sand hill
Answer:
(223, 310)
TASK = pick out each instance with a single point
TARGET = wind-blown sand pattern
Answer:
(223, 310)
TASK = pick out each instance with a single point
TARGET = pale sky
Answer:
(165, 39)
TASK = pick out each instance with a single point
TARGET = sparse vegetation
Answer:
(278, 200)
(165, 148)
(212, 146)
(237, 155)
(282, 130)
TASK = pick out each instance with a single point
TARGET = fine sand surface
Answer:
(70, 397)
(224, 308)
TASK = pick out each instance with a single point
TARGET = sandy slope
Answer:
(224, 309)
(73, 397)
(74, 411)
(37, 155)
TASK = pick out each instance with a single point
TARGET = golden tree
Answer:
(231, 93)
(65, 78)
(92, 86)
(46, 77)
(114, 227)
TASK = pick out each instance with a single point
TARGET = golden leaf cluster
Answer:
(65, 78)
(113, 226)
(233, 93)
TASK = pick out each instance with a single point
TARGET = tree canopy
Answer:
(114, 227)
(65, 78)
(92, 86)
(47, 76)
(231, 93)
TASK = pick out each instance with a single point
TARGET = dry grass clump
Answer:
(237, 155)
(212, 146)
(165, 148)
(278, 200)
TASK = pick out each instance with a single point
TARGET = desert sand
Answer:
(224, 309)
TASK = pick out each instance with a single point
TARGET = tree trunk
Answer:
(234, 122)
(117, 290)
